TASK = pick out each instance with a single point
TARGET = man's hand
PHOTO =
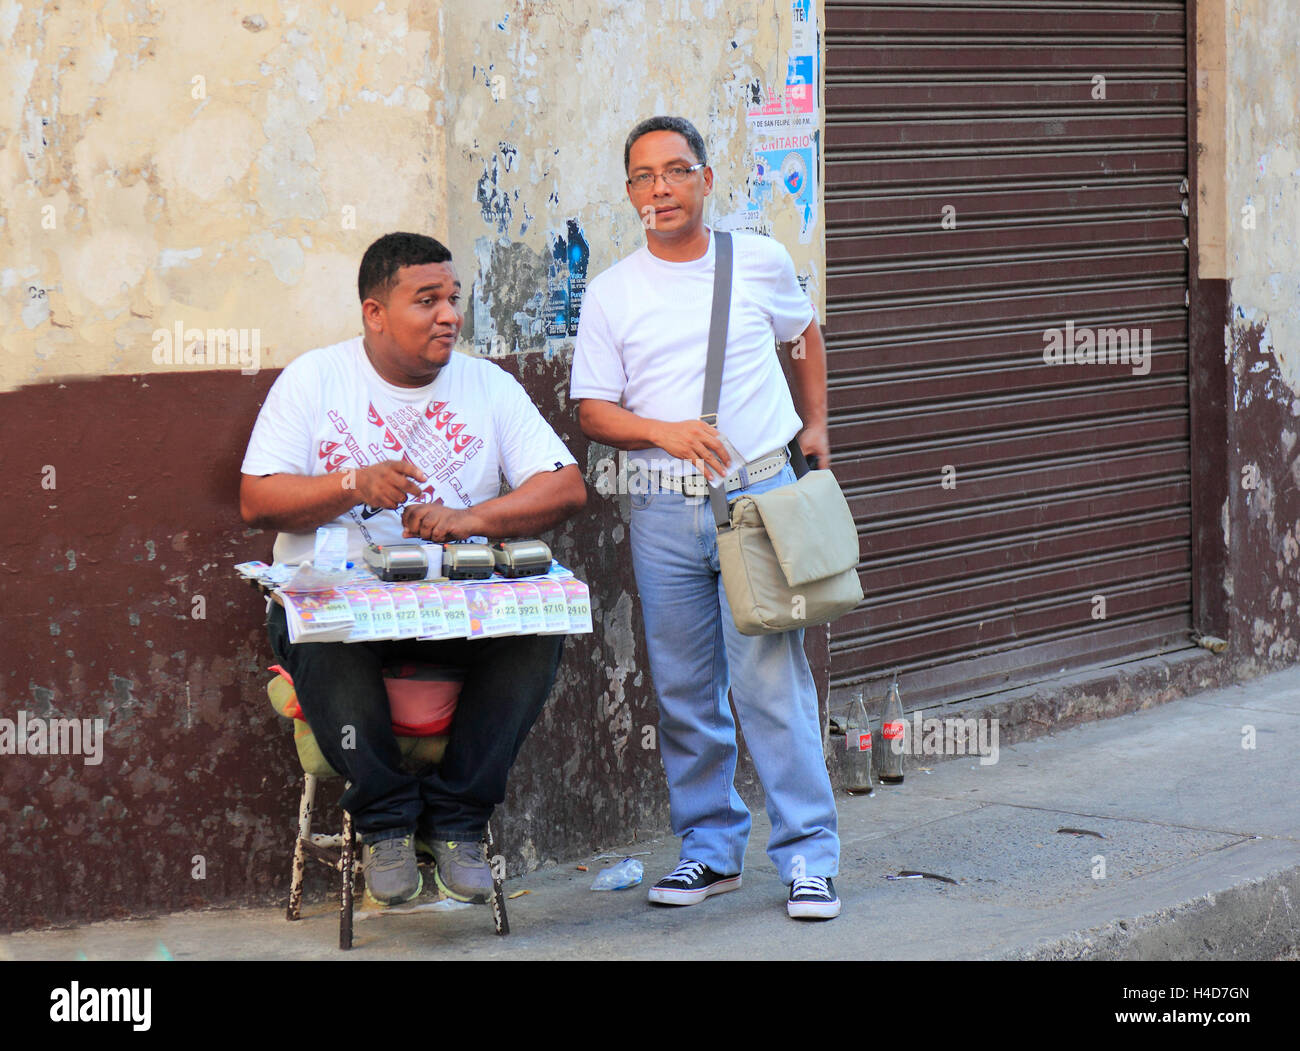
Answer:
(440, 523)
(695, 441)
(815, 440)
(692, 440)
(388, 484)
(544, 500)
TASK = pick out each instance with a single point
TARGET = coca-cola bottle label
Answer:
(858, 742)
(890, 731)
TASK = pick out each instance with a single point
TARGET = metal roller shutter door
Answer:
(1071, 481)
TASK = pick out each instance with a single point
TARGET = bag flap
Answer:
(811, 528)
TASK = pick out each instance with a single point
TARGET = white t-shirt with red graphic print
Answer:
(330, 411)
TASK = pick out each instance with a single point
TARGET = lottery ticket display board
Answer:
(362, 608)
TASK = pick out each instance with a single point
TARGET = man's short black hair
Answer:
(681, 125)
(379, 266)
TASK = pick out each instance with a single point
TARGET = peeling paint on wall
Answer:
(540, 105)
(506, 311)
(1262, 339)
(198, 164)
(495, 204)
(1263, 174)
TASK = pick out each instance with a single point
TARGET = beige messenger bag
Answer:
(789, 556)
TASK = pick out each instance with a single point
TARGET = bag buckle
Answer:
(711, 418)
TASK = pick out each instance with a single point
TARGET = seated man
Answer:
(393, 435)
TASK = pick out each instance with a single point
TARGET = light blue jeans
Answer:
(695, 654)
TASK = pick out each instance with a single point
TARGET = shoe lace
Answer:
(389, 854)
(685, 872)
(810, 885)
(469, 852)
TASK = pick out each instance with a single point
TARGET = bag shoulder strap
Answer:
(722, 254)
(717, 326)
(717, 353)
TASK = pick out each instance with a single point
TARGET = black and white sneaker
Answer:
(813, 898)
(690, 883)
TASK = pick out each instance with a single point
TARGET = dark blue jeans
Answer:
(340, 685)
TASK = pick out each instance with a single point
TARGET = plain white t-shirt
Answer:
(330, 411)
(643, 340)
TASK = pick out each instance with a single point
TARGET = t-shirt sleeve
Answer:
(527, 442)
(282, 436)
(597, 361)
(789, 305)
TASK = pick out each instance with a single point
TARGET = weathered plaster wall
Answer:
(219, 168)
(541, 96)
(1261, 519)
(214, 165)
(1263, 176)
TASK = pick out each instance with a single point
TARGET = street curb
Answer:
(1256, 920)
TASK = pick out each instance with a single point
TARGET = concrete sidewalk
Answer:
(1201, 856)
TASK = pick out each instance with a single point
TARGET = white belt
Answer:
(755, 471)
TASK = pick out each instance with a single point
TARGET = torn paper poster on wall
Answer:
(566, 281)
(789, 171)
(785, 137)
(523, 299)
(793, 104)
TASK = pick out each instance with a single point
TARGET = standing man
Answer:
(393, 435)
(638, 371)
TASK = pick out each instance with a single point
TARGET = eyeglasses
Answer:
(673, 177)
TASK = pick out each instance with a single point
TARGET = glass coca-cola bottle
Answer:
(892, 733)
(857, 749)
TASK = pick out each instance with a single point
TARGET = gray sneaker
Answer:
(390, 870)
(462, 872)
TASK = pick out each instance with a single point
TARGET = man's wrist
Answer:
(350, 486)
(474, 524)
(653, 433)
